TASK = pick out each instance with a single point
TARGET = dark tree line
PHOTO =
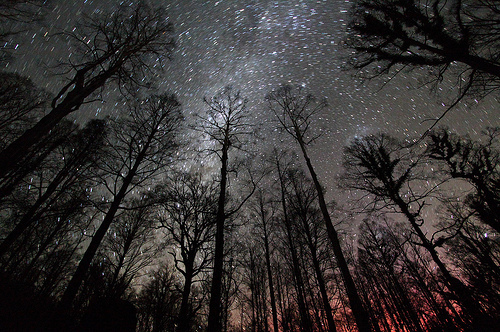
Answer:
(112, 225)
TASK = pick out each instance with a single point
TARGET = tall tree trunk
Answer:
(359, 312)
(28, 217)
(215, 306)
(461, 292)
(83, 266)
(306, 324)
(324, 294)
(270, 282)
(183, 319)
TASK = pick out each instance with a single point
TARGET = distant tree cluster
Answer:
(103, 227)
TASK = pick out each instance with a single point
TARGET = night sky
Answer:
(256, 45)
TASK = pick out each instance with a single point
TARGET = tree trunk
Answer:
(183, 317)
(304, 316)
(359, 312)
(87, 258)
(215, 309)
(270, 282)
(19, 149)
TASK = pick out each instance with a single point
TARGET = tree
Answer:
(460, 37)
(380, 264)
(13, 12)
(188, 206)
(226, 126)
(117, 47)
(295, 111)
(80, 155)
(254, 278)
(476, 253)
(307, 218)
(158, 302)
(141, 145)
(21, 105)
(386, 170)
(130, 246)
(264, 212)
(475, 162)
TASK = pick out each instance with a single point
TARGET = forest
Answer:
(103, 227)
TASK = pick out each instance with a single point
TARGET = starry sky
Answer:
(255, 46)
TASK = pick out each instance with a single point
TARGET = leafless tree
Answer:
(459, 36)
(158, 302)
(130, 246)
(119, 47)
(79, 155)
(475, 162)
(227, 126)
(393, 176)
(21, 105)
(295, 111)
(188, 207)
(141, 145)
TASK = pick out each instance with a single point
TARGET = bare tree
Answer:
(383, 168)
(189, 207)
(140, 146)
(264, 211)
(295, 111)
(130, 247)
(12, 13)
(380, 252)
(226, 125)
(459, 36)
(80, 155)
(306, 216)
(118, 46)
(21, 105)
(158, 302)
(475, 162)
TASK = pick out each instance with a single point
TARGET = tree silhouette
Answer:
(158, 301)
(475, 162)
(80, 155)
(130, 247)
(263, 211)
(189, 207)
(307, 217)
(295, 111)
(21, 105)
(226, 125)
(383, 168)
(141, 145)
(11, 13)
(119, 47)
(460, 37)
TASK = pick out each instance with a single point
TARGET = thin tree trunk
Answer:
(359, 312)
(304, 316)
(270, 282)
(215, 309)
(87, 258)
